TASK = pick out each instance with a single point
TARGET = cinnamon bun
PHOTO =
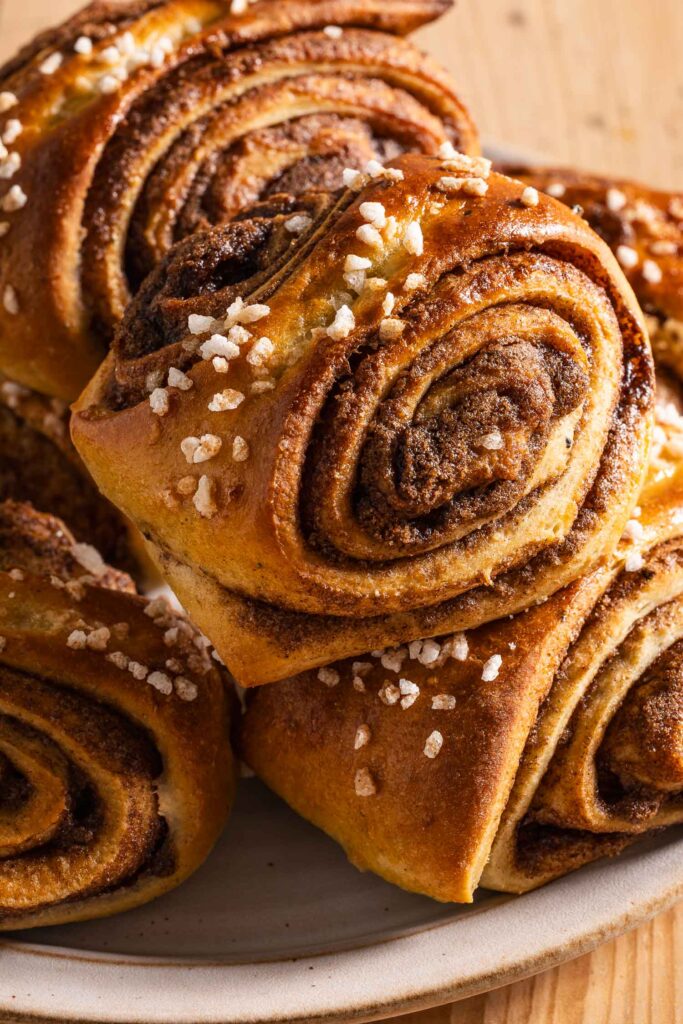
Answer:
(132, 125)
(115, 760)
(426, 407)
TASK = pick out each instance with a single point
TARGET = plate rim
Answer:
(82, 972)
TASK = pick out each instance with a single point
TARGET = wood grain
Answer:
(597, 84)
(593, 83)
(637, 979)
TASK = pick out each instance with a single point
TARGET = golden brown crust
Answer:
(644, 227)
(108, 168)
(566, 750)
(377, 501)
(430, 822)
(114, 734)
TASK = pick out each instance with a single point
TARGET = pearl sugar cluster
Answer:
(404, 693)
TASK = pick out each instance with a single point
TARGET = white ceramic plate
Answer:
(278, 927)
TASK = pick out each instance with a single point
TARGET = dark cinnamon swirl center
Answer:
(482, 424)
(66, 831)
(306, 153)
(643, 745)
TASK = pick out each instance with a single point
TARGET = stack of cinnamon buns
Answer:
(384, 418)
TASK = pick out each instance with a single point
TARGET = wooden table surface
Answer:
(597, 84)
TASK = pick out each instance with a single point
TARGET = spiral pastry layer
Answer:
(114, 722)
(510, 754)
(131, 126)
(447, 434)
(644, 228)
(39, 464)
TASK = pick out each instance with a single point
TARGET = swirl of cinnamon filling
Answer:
(643, 744)
(428, 408)
(510, 754)
(114, 755)
(140, 124)
(618, 766)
